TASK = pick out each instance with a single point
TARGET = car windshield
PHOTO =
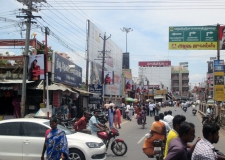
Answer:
(67, 131)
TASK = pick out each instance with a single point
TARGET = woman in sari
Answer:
(110, 116)
(158, 131)
(117, 117)
(56, 145)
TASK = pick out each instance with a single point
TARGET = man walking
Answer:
(151, 106)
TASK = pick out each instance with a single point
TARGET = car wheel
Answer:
(75, 154)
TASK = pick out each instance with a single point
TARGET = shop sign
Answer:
(62, 72)
(14, 87)
(97, 89)
(154, 64)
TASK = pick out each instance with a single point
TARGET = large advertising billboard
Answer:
(222, 37)
(36, 67)
(97, 89)
(113, 60)
(210, 67)
(193, 38)
(108, 77)
(218, 80)
(62, 73)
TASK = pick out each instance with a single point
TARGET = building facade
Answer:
(180, 82)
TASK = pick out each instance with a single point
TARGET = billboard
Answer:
(154, 63)
(210, 67)
(126, 61)
(128, 84)
(62, 72)
(108, 77)
(193, 38)
(113, 60)
(138, 88)
(218, 80)
(222, 37)
(145, 89)
(36, 67)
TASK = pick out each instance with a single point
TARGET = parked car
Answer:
(23, 139)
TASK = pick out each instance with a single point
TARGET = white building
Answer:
(158, 73)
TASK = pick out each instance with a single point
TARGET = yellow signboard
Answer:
(192, 45)
(219, 86)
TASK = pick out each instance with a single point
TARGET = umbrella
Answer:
(108, 105)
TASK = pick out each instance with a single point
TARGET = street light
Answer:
(127, 30)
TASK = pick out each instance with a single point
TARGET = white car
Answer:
(23, 139)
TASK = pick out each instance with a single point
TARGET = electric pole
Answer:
(28, 12)
(103, 64)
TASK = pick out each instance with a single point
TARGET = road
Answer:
(133, 135)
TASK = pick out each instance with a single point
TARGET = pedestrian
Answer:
(123, 107)
(131, 110)
(73, 111)
(151, 106)
(154, 106)
(55, 145)
(147, 108)
(157, 132)
(169, 118)
(204, 149)
(110, 116)
(117, 117)
(157, 108)
(177, 120)
(178, 146)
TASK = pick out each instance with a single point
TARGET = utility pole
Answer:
(103, 64)
(28, 12)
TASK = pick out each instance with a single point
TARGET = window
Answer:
(33, 129)
(10, 129)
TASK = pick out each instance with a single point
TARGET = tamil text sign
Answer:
(154, 64)
(218, 80)
(193, 38)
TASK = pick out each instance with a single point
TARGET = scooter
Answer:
(159, 147)
(194, 111)
(118, 146)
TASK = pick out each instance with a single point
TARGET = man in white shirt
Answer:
(123, 107)
(161, 117)
(151, 106)
(169, 118)
(209, 111)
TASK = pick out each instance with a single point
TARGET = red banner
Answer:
(154, 63)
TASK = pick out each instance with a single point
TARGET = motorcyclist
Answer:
(81, 124)
(94, 125)
(142, 115)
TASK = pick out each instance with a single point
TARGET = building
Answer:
(155, 75)
(180, 82)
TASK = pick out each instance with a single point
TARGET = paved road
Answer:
(133, 135)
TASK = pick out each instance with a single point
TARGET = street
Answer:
(133, 135)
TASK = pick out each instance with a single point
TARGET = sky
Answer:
(149, 19)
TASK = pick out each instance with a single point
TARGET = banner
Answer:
(108, 77)
(222, 37)
(36, 67)
(145, 89)
(138, 88)
(62, 72)
(97, 89)
(218, 80)
(193, 38)
(128, 84)
(210, 67)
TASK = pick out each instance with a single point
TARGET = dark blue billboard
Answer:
(97, 89)
(62, 72)
(218, 65)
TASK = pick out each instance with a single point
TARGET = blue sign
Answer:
(97, 89)
(62, 72)
(218, 65)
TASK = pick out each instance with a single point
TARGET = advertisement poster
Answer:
(218, 80)
(193, 38)
(108, 77)
(97, 89)
(222, 37)
(138, 88)
(145, 89)
(128, 84)
(210, 67)
(36, 67)
(113, 60)
(62, 72)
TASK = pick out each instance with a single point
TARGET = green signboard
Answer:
(193, 38)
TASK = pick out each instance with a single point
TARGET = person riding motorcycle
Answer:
(81, 124)
(142, 115)
(94, 125)
(157, 132)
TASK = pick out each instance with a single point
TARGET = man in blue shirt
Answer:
(94, 125)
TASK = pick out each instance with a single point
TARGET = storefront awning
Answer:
(158, 96)
(14, 81)
(83, 91)
(52, 87)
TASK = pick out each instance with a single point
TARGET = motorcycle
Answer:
(68, 123)
(159, 147)
(185, 109)
(194, 111)
(118, 146)
(102, 117)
